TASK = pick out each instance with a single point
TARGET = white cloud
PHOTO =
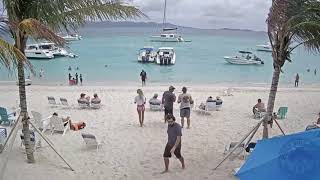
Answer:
(245, 14)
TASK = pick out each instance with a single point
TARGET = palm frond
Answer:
(10, 56)
(37, 30)
(64, 14)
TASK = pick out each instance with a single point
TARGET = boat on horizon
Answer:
(264, 47)
(166, 56)
(168, 34)
(72, 37)
(246, 58)
(147, 54)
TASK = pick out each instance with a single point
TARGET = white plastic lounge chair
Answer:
(154, 107)
(37, 119)
(83, 105)
(58, 126)
(211, 106)
(52, 101)
(91, 140)
(64, 102)
(227, 92)
(95, 105)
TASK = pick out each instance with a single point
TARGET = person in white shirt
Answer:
(154, 100)
(140, 100)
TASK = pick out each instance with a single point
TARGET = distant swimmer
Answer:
(69, 68)
(77, 68)
(106, 65)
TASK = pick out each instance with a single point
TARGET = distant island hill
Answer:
(154, 25)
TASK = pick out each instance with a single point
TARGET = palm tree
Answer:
(37, 18)
(291, 23)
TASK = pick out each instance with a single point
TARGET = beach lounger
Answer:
(39, 121)
(227, 92)
(52, 101)
(91, 140)
(64, 102)
(282, 112)
(5, 118)
(155, 107)
(83, 105)
(57, 125)
(95, 105)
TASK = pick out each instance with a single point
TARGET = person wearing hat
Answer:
(185, 101)
(154, 100)
(218, 101)
(140, 100)
(168, 98)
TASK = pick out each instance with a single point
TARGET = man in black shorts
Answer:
(143, 76)
(174, 142)
(168, 98)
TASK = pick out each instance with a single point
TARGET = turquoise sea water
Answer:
(200, 61)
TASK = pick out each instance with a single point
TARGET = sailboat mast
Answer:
(164, 14)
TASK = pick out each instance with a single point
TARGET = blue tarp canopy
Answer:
(291, 157)
(146, 49)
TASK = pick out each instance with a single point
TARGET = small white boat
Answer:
(166, 56)
(35, 52)
(57, 51)
(147, 54)
(167, 37)
(246, 58)
(72, 37)
(264, 47)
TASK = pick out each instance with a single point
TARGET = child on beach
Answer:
(140, 100)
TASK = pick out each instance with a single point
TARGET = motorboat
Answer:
(72, 37)
(168, 34)
(147, 54)
(166, 56)
(264, 47)
(57, 51)
(246, 58)
(34, 51)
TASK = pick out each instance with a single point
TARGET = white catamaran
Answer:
(168, 34)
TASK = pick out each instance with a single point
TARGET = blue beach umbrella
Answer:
(291, 157)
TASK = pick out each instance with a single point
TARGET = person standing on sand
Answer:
(77, 80)
(81, 79)
(41, 73)
(174, 142)
(140, 100)
(168, 98)
(296, 83)
(143, 76)
(185, 101)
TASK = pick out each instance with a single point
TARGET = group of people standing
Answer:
(174, 131)
(75, 80)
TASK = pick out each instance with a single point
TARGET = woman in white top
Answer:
(140, 100)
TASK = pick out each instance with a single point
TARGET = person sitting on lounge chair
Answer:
(209, 103)
(258, 108)
(316, 125)
(154, 100)
(219, 101)
(95, 99)
(83, 99)
(73, 126)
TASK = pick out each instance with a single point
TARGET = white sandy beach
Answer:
(131, 152)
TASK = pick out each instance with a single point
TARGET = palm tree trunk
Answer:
(21, 44)
(271, 100)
